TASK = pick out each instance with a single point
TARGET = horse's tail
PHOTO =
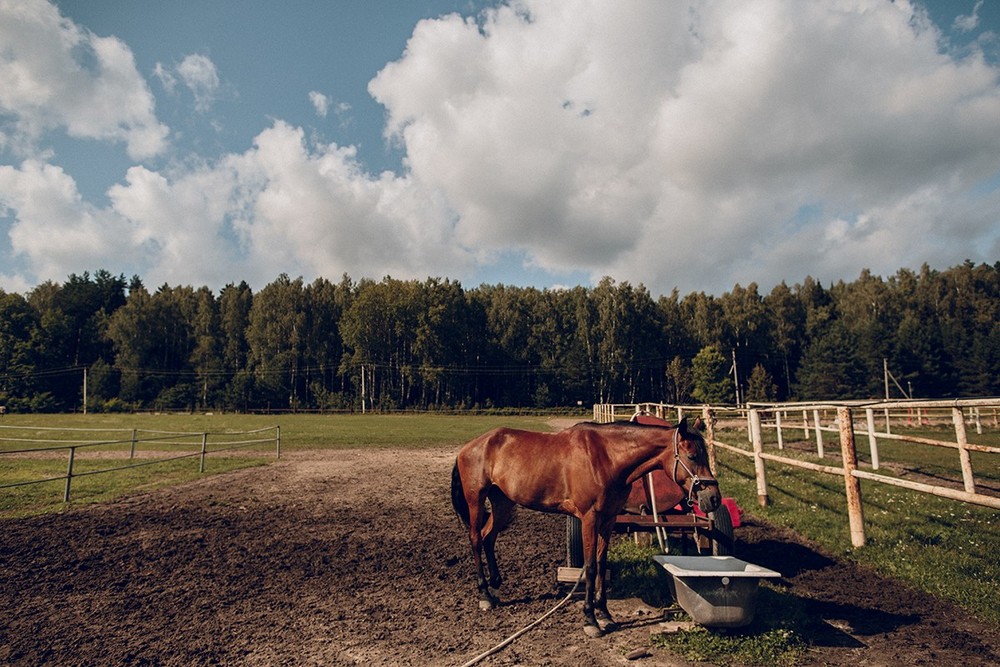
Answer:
(458, 496)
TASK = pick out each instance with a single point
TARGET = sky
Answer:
(547, 143)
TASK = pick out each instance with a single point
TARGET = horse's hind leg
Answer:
(501, 510)
(478, 519)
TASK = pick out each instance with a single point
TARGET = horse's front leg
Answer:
(501, 511)
(601, 613)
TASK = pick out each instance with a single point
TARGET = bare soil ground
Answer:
(355, 557)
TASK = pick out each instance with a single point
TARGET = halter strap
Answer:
(695, 479)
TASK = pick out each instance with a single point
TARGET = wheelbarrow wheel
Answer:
(574, 542)
(723, 541)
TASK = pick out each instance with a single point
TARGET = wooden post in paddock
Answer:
(963, 450)
(852, 484)
(819, 434)
(708, 417)
(777, 427)
(758, 459)
(872, 440)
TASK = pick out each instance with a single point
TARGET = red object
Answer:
(666, 489)
(734, 511)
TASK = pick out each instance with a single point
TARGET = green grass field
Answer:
(297, 432)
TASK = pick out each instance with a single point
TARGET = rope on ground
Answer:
(496, 649)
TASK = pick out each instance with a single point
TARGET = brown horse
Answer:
(585, 471)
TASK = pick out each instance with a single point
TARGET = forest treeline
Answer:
(432, 344)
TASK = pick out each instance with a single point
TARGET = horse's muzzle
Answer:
(709, 498)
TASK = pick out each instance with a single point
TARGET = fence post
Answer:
(855, 512)
(805, 423)
(819, 435)
(69, 474)
(277, 442)
(709, 419)
(131, 451)
(204, 449)
(872, 440)
(963, 449)
(777, 427)
(758, 460)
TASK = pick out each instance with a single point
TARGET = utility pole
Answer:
(885, 376)
(736, 379)
(363, 395)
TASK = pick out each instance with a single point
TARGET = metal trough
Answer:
(716, 591)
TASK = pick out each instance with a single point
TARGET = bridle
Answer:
(696, 481)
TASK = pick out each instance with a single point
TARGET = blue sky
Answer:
(545, 143)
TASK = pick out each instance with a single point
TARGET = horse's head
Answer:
(691, 470)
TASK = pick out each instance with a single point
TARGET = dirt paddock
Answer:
(356, 558)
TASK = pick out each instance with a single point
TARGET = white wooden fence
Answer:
(844, 419)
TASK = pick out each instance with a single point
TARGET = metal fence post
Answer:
(131, 452)
(204, 449)
(69, 473)
(855, 512)
(758, 460)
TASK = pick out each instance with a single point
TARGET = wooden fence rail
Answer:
(222, 441)
(816, 416)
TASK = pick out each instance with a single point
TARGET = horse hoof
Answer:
(608, 626)
(593, 631)
(487, 605)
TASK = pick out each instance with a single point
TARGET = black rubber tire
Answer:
(574, 542)
(723, 540)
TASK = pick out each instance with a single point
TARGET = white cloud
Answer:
(313, 208)
(167, 79)
(57, 75)
(200, 76)
(55, 229)
(282, 206)
(668, 144)
(968, 22)
(320, 102)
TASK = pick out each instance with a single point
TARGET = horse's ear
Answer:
(682, 426)
(699, 424)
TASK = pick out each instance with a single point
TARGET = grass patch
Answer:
(298, 432)
(634, 573)
(772, 646)
(47, 497)
(941, 546)
(774, 638)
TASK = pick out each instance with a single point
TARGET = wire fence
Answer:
(46, 442)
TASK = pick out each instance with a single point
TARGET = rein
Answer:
(696, 481)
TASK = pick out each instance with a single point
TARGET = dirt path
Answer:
(315, 560)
